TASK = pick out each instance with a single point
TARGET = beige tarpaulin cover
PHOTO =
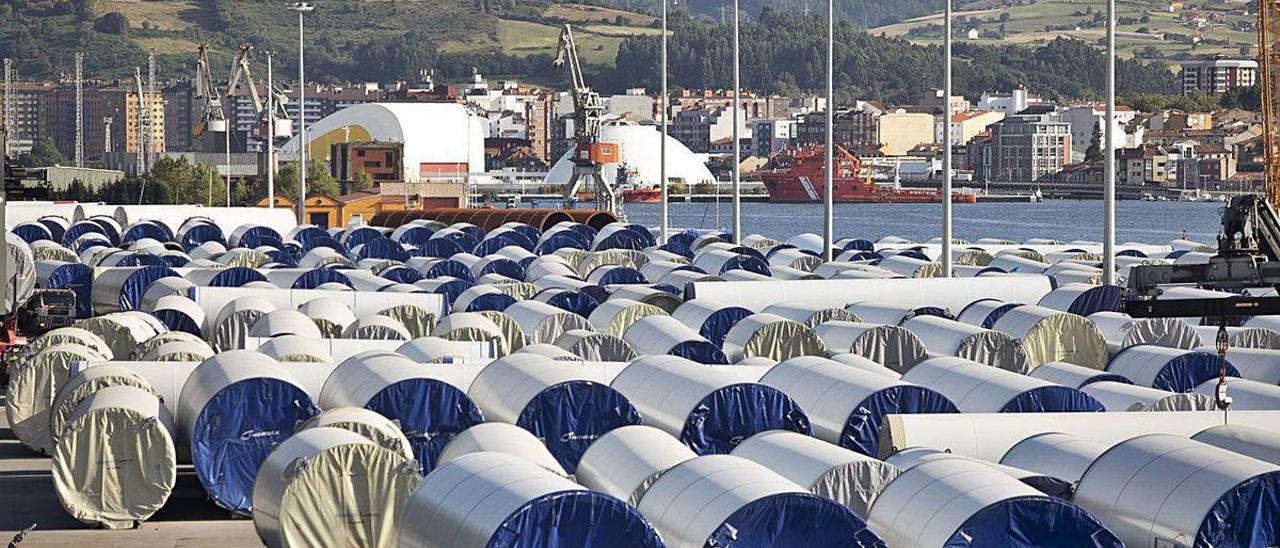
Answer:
(597, 347)
(811, 316)
(121, 331)
(162, 339)
(1051, 336)
(1118, 396)
(179, 351)
(81, 386)
(1121, 331)
(888, 345)
(621, 257)
(370, 424)
(292, 348)
(510, 329)
(67, 335)
(770, 336)
(377, 328)
(45, 250)
(826, 470)
(21, 271)
(116, 463)
(241, 256)
(32, 387)
(415, 319)
(572, 256)
(331, 487)
(614, 316)
(471, 326)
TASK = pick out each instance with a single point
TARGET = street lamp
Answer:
(302, 8)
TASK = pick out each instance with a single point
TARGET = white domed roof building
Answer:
(639, 155)
(436, 137)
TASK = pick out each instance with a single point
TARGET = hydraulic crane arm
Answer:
(568, 54)
(240, 69)
(204, 89)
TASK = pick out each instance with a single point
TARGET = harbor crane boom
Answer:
(212, 118)
(240, 72)
(590, 152)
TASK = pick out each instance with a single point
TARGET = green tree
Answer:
(43, 154)
(362, 182)
(1094, 152)
(112, 23)
(318, 181)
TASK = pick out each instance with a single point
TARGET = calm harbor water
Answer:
(1067, 220)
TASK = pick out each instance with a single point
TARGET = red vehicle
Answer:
(798, 177)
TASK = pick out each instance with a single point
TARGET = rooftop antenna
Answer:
(79, 109)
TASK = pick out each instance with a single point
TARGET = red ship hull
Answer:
(794, 188)
(641, 195)
(799, 179)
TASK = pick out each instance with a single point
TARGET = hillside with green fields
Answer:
(1162, 30)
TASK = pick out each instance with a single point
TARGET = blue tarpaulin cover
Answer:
(142, 259)
(794, 519)
(572, 301)
(415, 235)
(79, 279)
(430, 412)
(624, 239)
(575, 519)
(138, 231)
(750, 263)
(451, 289)
(490, 301)
(1103, 298)
(731, 414)
(236, 430)
(1033, 521)
(464, 241)
(677, 247)
(859, 244)
(32, 232)
(700, 352)
(199, 233)
(621, 275)
(1049, 485)
(862, 430)
(109, 227)
(995, 315)
(55, 230)
(716, 327)
(1052, 399)
(1247, 515)
(382, 248)
(561, 240)
(359, 235)
(568, 416)
(259, 236)
(315, 277)
(504, 267)
(499, 240)
(236, 276)
(304, 235)
(1184, 373)
(137, 283)
(80, 229)
(451, 268)
(401, 274)
(530, 232)
(175, 320)
(324, 241)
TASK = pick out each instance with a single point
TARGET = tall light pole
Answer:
(828, 179)
(302, 8)
(737, 143)
(1109, 161)
(271, 137)
(947, 269)
(663, 219)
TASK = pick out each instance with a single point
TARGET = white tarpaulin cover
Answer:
(292, 348)
(950, 293)
(122, 331)
(627, 460)
(332, 317)
(116, 463)
(544, 323)
(500, 437)
(1258, 443)
(21, 269)
(328, 486)
(1119, 396)
(614, 316)
(66, 335)
(1122, 331)
(234, 321)
(953, 338)
(85, 383)
(377, 328)
(161, 339)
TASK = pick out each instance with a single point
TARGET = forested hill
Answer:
(384, 40)
(786, 52)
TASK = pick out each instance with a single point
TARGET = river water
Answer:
(1067, 220)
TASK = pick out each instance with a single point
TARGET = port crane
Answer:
(1248, 254)
(212, 117)
(590, 153)
(240, 72)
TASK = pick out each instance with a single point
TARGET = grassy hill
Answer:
(458, 30)
(1146, 29)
